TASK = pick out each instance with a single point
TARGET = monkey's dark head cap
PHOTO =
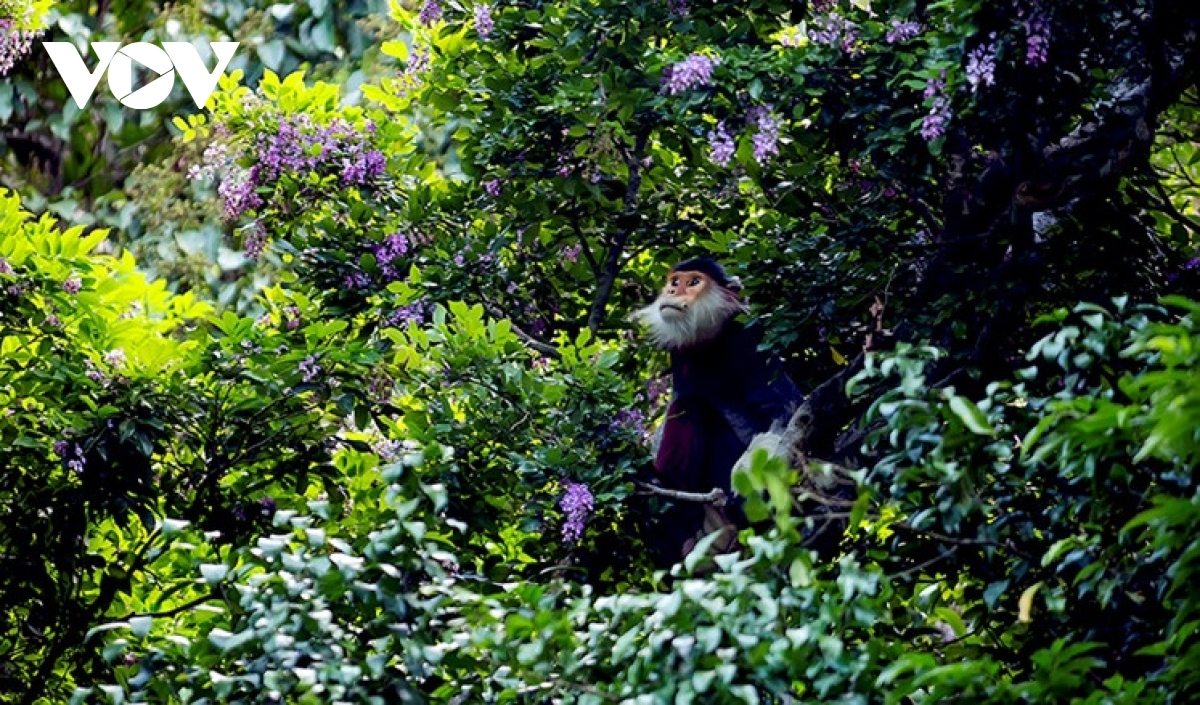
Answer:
(706, 265)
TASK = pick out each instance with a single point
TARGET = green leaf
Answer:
(971, 416)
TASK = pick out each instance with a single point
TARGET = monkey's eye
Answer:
(695, 281)
(674, 281)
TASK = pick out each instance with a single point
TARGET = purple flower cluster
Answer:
(387, 449)
(833, 29)
(216, 158)
(791, 37)
(296, 146)
(577, 505)
(721, 145)
(934, 124)
(483, 20)
(823, 5)
(5, 267)
(14, 43)
(431, 12)
(1037, 38)
(115, 357)
(678, 8)
(238, 191)
(656, 387)
(291, 317)
(632, 419)
(903, 31)
(299, 146)
(72, 453)
(309, 368)
(256, 238)
(94, 374)
(696, 70)
(412, 76)
(356, 280)
(493, 187)
(73, 285)
(401, 316)
(766, 138)
(571, 254)
(363, 166)
(981, 66)
(389, 256)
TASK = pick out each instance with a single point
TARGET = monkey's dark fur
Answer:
(725, 391)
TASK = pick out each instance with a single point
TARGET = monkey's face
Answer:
(691, 309)
(681, 292)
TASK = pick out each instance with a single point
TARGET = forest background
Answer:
(327, 393)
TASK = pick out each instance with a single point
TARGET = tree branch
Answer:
(612, 260)
(716, 497)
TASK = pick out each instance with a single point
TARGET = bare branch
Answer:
(716, 497)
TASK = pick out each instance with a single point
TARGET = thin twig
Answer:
(716, 497)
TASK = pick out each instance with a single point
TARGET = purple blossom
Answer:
(823, 5)
(401, 316)
(695, 70)
(72, 285)
(61, 448)
(356, 280)
(1192, 264)
(981, 66)
(791, 37)
(632, 419)
(52, 321)
(571, 254)
(298, 146)
(389, 254)
(431, 12)
(766, 138)
(387, 449)
(1037, 38)
(493, 187)
(291, 317)
(238, 191)
(563, 167)
(903, 31)
(542, 364)
(216, 157)
(256, 241)
(934, 124)
(285, 150)
(5, 267)
(309, 368)
(721, 145)
(94, 374)
(115, 357)
(14, 43)
(833, 29)
(577, 505)
(678, 8)
(73, 456)
(361, 167)
(483, 20)
(655, 388)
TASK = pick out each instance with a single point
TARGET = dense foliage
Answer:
(374, 425)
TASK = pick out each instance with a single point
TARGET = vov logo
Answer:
(172, 58)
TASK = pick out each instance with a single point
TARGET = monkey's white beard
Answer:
(701, 321)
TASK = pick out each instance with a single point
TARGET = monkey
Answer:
(725, 391)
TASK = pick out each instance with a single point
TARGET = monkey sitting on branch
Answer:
(725, 391)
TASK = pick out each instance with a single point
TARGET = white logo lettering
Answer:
(171, 58)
